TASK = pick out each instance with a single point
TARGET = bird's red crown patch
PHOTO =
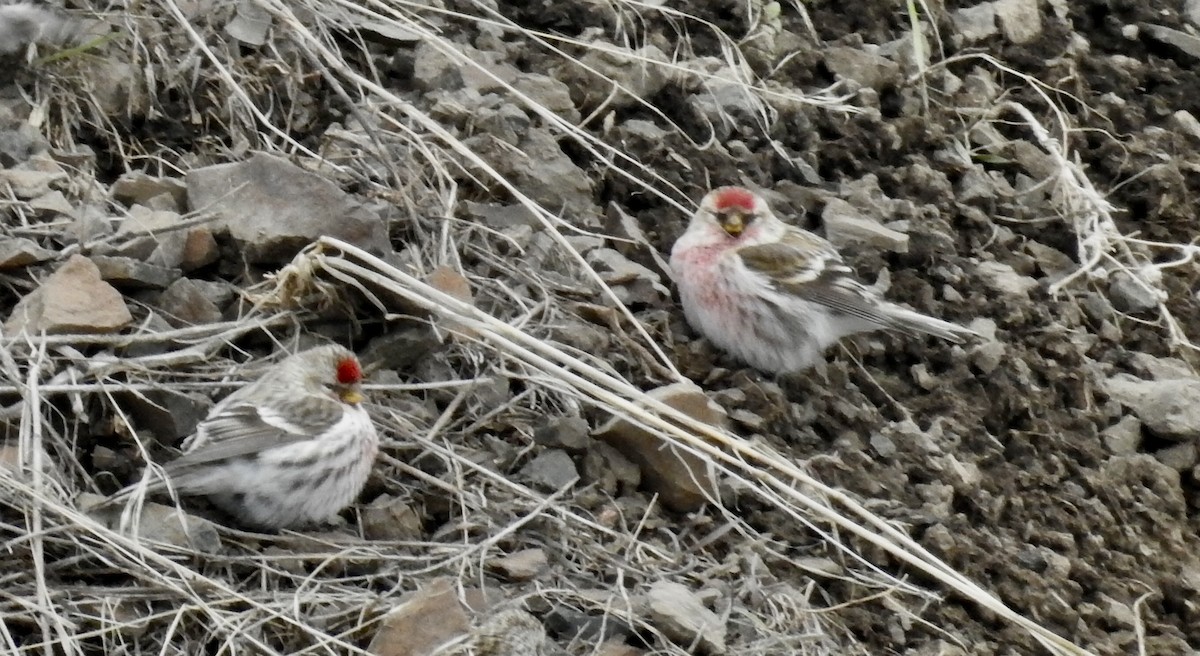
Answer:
(734, 197)
(348, 371)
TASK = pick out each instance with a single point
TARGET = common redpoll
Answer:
(292, 448)
(774, 295)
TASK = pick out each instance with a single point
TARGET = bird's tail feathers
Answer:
(915, 322)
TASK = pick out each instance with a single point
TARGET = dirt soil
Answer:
(995, 460)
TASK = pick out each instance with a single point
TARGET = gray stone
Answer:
(845, 226)
(1129, 295)
(18, 252)
(1180, 457)
(975, 23)
(53, 204)
(551, 470)
(569, 433)
(153, 235)
(630, 281)
(1169, 408)
(1002, 278)
(510, 632)
(501, 216)
(135, 274)
(71, 300)
(159, 523)
(1186, 43)
(550, 93)
(1191, 11)
(273, 208)
(388, 518)
(610, 471)
(544, 173)
(868, 69)
(17, 146)
(883, 445)
(168, 415)
(189, 302)
(639, 72)
(521, 566)
(137, 188)
(27, 184)
(1020, 20)
(681, 616)
(401, 347)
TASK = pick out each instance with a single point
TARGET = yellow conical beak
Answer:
(733, 223)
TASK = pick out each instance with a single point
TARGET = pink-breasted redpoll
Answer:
(292, 448)
(773, 295)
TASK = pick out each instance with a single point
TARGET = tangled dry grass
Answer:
(72, 584)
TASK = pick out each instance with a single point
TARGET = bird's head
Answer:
(332, 370)
(733, 209)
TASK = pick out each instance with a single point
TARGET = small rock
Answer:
(1161, 368)
(401, 348)
(548, 92)
(17, 146)
(273, 208)
(632, 282)
(1125, 437)
(26, 184)
(883, 445)
(135, 274)
(641, 73)
(152, 235)
(71, 300)
(137, 188)
(681, 479)
(1191, 11)
(975, 23)
(388, 518)
(609, 471)
(1169, 408)
(681, 616)
(619, 648)
(501, 216)
(190, 302)
(1020, 20)
(1002, 278)
(53, 203)
(846, 227)
(569, 433)
(511, 632)
(1128, 295)
(988, 355)
(426, 620)
(1180, 457)
(19, 251)
(1185, 42)
(551, 470)
(868, 69)
(169, 416)
(524, 565)
(159, 523)
(545, 173)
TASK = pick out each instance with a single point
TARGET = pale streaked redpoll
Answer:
(294, 447)
(774, 295)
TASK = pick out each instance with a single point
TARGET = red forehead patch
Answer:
(734, 198)
(348, 371)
